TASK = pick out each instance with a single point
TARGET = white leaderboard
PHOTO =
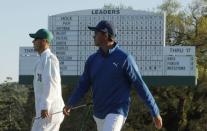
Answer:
(27, 59)
(140, 33)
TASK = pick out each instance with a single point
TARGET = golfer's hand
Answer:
(66, 110)
(158, 122)
(44, 114)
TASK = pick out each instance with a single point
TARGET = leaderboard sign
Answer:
(27, 58)
(140, 33)
(179, 61)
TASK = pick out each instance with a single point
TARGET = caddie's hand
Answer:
(44, 114)
(158, 121)
(66, 110)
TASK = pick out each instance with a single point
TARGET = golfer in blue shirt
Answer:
(111, 73)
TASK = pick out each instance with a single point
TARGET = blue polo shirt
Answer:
(111, 77)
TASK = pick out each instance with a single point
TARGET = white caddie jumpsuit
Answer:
(48, 92)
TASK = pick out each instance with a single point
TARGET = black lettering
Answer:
(173, 63)
(105, 12)
(61, 38)
(65, 18)
(29, 50)
(61, 33)
(176, 68)
(171, 58)
(188, 50)
(63, 67)
(100, 12)
(63, 28)
(109, 11)
(64, 58)
(94, 11)
(61, 43)
(60, 53)
(176, 50)
(66, 23)
(61, 62)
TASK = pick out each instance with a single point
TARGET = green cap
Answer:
(43, 34)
